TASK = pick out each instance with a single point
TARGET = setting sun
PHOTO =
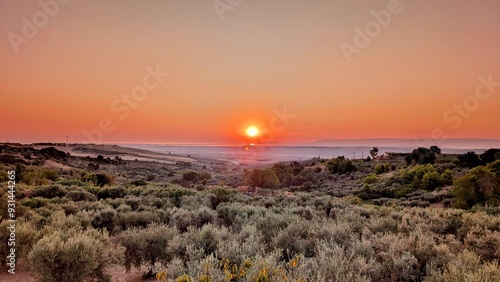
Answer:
(252, 131)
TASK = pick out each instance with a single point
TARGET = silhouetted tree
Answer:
(490, 156)
(340, 165)
(435, 149)
(262, 178)
(252, 178)
(268, 179)
(480, 186)
(421, 155)
(469, 159)
(374, 152)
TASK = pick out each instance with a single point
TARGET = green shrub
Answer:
(469, 160)
(422, 177)
(105, 219)
(336, 264)
(421, 156)
(34, 203)
(340, 165)
(66, 252)
(447, 177)
(431, 180)
(196, 176)
(80, 195)
(480, 185)
(111, 193)
(264, 178)
(99, 179)
(49, 192)
(484, 242)
(148, 245)
(490, 156)
(205, 238)
(26, 235)
(177, 194)
(50, 174)
(382, 168)
(220, 195)
(133, 201)
(467, 267)
(126, 220)
(71, 182)
(138, 183)
(370, 179)
(268, 179)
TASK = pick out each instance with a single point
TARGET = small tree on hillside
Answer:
(469, 159)
(268, 179)
(374, 152)
(340, 165)
(480, 185)
(435, 149)
(102, 179)
(490, 156)
(252, 178)
(421, 155)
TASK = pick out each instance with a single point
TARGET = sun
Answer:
(252, 131)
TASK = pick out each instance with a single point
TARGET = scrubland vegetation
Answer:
(423, 216)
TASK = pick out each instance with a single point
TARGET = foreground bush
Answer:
(147, 245)
(466, 268)
(73, 256)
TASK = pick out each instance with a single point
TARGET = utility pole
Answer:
(67, 140)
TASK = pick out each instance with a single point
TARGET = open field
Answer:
(110, 217)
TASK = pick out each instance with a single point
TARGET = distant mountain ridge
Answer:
(452, 143)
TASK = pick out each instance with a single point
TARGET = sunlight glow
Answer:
(252, 131)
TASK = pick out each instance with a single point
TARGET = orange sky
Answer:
(227, 74)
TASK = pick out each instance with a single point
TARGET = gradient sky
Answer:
(228, 74)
